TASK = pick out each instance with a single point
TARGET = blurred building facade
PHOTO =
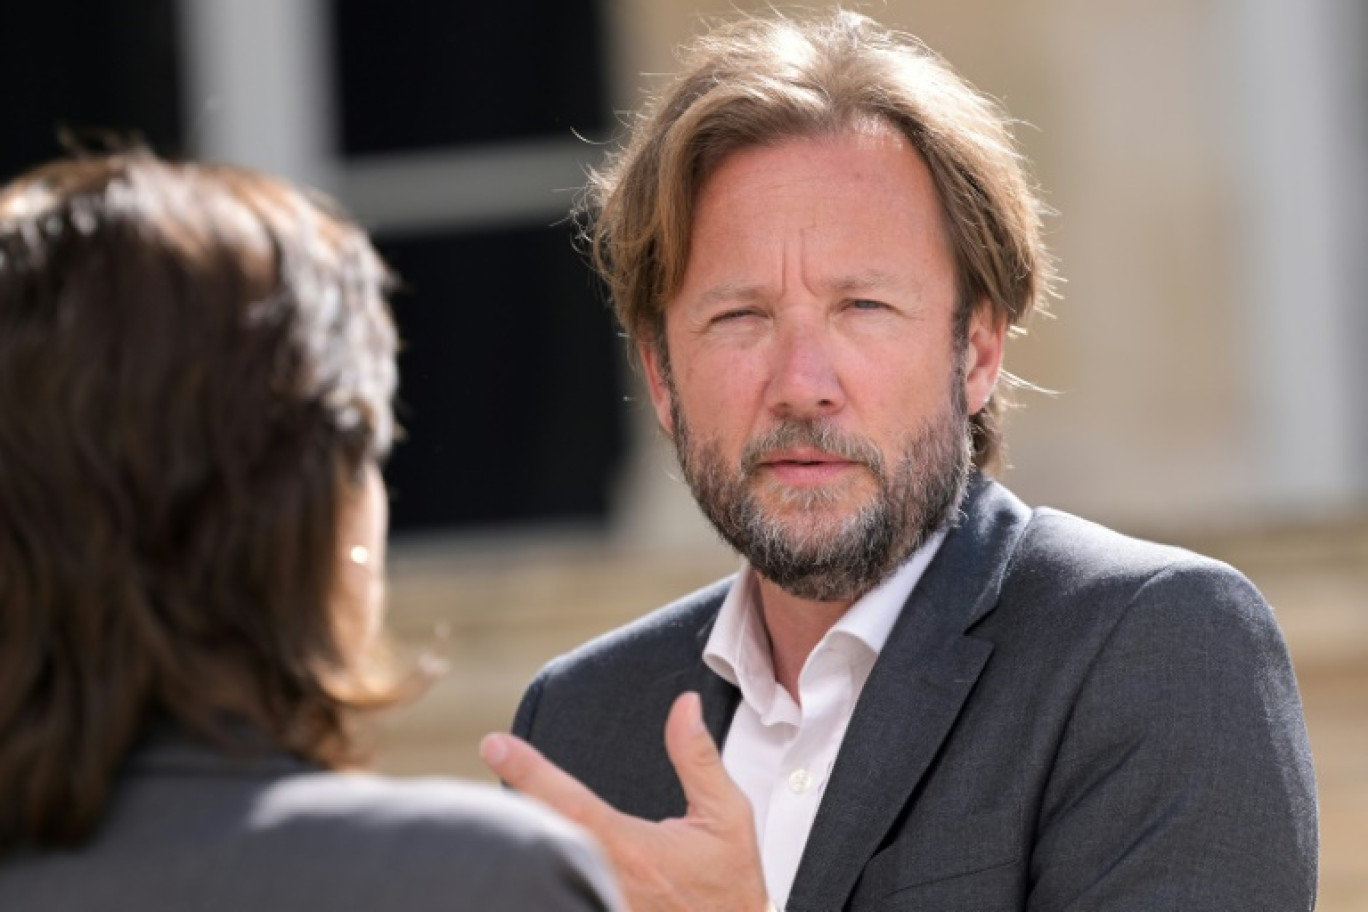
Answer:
(1208, 161)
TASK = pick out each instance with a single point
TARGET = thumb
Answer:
(710, 792)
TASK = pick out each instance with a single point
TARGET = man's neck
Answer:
(795, 627)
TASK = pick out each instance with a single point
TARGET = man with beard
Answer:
(927, 695)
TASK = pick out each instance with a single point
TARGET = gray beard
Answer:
(826, 557)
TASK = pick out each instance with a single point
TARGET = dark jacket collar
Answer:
(912, 698)
(169, 748)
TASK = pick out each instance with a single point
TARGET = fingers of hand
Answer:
(524, 768)
(707, 787)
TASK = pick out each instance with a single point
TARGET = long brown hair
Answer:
(196, 365)
(762, 79)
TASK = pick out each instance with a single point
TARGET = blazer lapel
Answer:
(640, 779)
(719, 697)
(914, 694)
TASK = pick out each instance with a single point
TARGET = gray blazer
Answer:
(192, 829)
(1062, 718)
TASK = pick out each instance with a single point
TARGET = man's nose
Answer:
(804, 381)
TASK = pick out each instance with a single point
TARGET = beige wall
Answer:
(1139, 128)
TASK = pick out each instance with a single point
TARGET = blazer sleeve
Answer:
(1184, 777)
(527, 707)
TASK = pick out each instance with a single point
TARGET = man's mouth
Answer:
(805, 466)
(802, 456)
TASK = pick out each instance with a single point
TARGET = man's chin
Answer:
(836, 502)
(810, 531)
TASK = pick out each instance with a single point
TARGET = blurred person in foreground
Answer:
(196, 372)
(927, 694)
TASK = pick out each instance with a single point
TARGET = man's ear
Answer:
(983, 356)
(652, 365)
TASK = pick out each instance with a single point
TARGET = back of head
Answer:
(761, 80)
(196, 366)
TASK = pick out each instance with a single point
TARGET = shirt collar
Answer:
(870, 620)
(738, 648)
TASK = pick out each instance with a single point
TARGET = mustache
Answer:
(818, 433)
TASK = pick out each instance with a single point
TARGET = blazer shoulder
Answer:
(1071, 551)
(1165, 696)
(1073, 567)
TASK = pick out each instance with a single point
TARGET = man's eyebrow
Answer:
(732, 291)
(870, 280)
(863, 281)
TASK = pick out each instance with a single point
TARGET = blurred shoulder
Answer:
(376, 804)
(472, 837)
(223, 834)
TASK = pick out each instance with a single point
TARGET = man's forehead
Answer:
(862, 203)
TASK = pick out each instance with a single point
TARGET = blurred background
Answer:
(1208, 161)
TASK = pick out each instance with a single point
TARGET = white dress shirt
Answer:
(779, 750)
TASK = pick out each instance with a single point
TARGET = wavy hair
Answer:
(760, 80)
(196, 365)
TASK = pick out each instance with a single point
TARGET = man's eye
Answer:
(866, 304)
(732, 315)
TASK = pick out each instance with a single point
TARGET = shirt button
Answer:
(800, 781)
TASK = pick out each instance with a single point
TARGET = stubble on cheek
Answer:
(826, 542)
(757, 513)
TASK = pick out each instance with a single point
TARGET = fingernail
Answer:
(493, 749)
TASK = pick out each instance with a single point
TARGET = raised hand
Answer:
(706, 860)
